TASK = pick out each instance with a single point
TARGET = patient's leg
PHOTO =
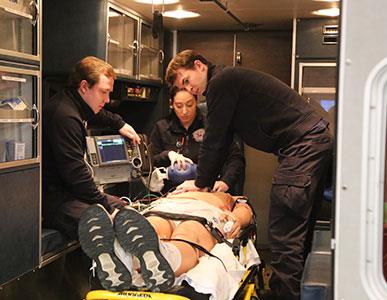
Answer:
(194, 232)
(163, 227)
(138, 237)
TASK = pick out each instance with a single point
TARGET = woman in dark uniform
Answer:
(176, 141)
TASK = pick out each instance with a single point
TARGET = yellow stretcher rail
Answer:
(249, 291)
(246, 291)
(129, 295)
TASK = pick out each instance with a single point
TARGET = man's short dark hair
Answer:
(184, 59)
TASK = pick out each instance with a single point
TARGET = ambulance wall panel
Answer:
(19, 221)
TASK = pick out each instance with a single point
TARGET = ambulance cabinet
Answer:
(19, 116)
(315, 71)
(19, 221)
(151, 56)
(122, 42)
(19, 30)
(103, 29)
(317, 38)
(19, 170)
(315, 51)
(20, 158)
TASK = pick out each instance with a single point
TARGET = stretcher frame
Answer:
(249, 286)
(247, 290)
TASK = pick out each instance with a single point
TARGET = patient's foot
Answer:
(96, 236)
(137, 236)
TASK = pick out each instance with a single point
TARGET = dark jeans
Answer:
(65, 217)
(296, 195)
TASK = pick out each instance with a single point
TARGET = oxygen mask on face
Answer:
(228, 226)
(177, 176)
(174, 175)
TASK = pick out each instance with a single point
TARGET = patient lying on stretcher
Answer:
(164, 248)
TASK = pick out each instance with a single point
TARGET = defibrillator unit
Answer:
(114, 159)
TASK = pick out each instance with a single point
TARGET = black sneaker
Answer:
(137, 236)
(96, 236)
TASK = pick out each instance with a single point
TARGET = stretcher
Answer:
(248, 290)
(249, 286)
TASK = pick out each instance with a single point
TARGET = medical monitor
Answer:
(111, 149)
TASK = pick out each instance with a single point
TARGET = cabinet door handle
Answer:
(135, 47)
(36, 113)
(238, 58)
(161, 55)
(35, 8)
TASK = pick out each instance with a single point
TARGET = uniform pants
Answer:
(296, 195)
(65, 217)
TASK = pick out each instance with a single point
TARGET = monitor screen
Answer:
(111, 149)
(327, 104)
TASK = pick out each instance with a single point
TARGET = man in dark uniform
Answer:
(270, 117)
(68, 187)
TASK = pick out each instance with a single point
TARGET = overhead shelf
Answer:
(17, 12)
(15, 116)
(30, 120)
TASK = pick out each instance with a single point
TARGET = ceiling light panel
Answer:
(330, 12)
(157, 1)
(180, 14)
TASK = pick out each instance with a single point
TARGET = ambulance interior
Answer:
(291, 40)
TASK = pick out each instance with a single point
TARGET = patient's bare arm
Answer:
(240, 216)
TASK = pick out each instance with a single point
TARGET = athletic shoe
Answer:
(138, 237)
(96, 236)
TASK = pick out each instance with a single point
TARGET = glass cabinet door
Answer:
(19, 28)
(122, 42)
(151, 55)
(18, 116)
(318, 81)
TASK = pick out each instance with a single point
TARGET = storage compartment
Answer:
(152, 56)
(19, 28)
(113, 33)
(317, 38)
(18, 114)
(19, 221)
(122, 42)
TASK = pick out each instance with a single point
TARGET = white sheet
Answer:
(210, 276)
